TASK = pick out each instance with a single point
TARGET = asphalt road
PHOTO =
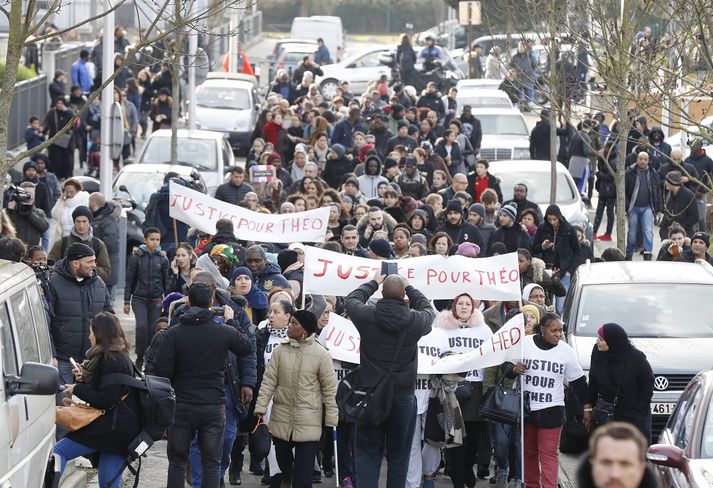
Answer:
(155, 465)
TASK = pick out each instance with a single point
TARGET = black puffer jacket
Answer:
(146, 275)
(565, 252)
(463, 232)
(193, 356)
(106, 227)
(72, 306)
(114, 430)
(380, 327)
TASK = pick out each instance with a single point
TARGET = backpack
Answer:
(157, 408)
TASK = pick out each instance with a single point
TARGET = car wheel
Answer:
(328, 88)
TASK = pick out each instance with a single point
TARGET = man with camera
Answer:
(30, 222)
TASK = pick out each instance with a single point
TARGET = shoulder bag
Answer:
(603, 411)
(501, 404)
(73, 416)
(365, 394)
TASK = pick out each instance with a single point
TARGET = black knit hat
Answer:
(381, 248)
(79, 250)
(82, 211)
(454, 205)
(703, 236)
(307, 320)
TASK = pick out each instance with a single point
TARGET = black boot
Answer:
(648, 256)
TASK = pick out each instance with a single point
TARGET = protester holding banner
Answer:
(547, 362)
(466, 330)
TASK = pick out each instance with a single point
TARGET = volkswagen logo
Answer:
(661, 383)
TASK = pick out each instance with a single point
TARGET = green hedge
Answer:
(23, 73)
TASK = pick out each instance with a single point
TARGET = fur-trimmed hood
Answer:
(537, 266)
(389, 222)
(446, 320)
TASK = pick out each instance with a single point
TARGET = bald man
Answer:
(390, 332)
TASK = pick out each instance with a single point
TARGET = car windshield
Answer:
(538, 186)
(197, 153)
(647, 309)
(476, 101)
(223, 98)
(140, 185)
(504, 124)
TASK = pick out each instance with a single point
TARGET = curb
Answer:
(73, 477)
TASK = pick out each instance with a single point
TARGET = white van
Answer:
(327, 27)
(29, 382)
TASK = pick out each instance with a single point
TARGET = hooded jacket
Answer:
(369, 184)
(388, 225)
(659, 153)
(160, 202)
(380, 327)
(106, 227)
(146, 275)
(300, 381)
(512, 237)
(704, 168)
(335, 169)
(462, 232)
(72, 305)
(270, 276)
(624, 373)
(565, 252)
(193, 355)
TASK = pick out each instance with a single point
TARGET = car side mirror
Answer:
(34, 379)
(665, 455)
(124, 189)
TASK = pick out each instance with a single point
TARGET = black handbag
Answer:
(501, 404)
(365, 394)
(603, 411)
(261, 440)
(464, 391)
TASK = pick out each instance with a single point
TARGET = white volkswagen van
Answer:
(29, 382)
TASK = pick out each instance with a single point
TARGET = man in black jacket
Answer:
(193, 356)
(679, 206)
(457, 228)
(390, 333)
(643, 204)
(540, 137)
(76, 295)
(235, 190)
(509, 233)
(105, 225)
(30, 222)
(519, 199)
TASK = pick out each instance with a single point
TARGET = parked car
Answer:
(134, 185)
(290, 56)
(663, 309)
(536, 175)
(358, 70)
(229, 103)
(207, 151)
(441, 31)
(29, 382)
(477, 84)
(682, 140)
(280, 46)
(482, 98)
(505, 134)
(684, 453)
(326, 27)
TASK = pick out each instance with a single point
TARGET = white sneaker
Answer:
(82, 462)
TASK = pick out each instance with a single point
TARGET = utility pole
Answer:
(107, 100)
(192, 59)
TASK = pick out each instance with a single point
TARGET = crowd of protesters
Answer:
(227, 321)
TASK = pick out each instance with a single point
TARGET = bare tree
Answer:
(23, 25)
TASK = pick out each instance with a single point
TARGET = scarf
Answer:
(279, 333)
(444, 422)
(94, 355)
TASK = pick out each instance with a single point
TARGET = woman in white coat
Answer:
(73, 195)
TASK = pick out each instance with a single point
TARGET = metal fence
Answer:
(30, 98)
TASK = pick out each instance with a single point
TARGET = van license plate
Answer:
(662, 408)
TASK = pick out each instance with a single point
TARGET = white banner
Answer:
(202, 212)
(342, 339)
(437, 277)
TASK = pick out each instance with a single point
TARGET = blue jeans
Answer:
(46, 236)
(640, 218)
(559, 301)
(527, 91)
(109, 464)
(508, 437)
(394, 436)
(231, 432)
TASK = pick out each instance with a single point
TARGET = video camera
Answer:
(19, 195)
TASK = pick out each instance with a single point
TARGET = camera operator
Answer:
(30, 222)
